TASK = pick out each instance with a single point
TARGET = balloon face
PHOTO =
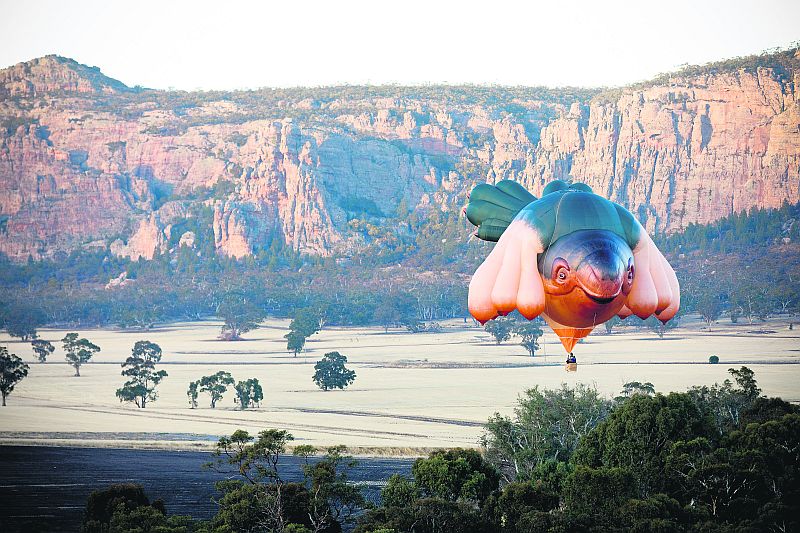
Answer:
(587, 276)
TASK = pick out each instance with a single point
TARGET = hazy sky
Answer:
(234, 44)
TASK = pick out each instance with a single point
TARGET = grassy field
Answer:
(413, 391)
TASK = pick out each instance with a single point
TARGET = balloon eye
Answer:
(560, 270)
(630, 272)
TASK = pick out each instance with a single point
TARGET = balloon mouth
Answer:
(602, 300)
(602, 281)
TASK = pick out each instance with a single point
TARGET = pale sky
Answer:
(236, 44)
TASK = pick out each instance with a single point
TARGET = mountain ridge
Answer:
(88, 162)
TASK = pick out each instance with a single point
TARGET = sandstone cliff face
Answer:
(87, 162)
(693, 151)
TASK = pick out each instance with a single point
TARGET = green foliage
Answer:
(446, 494)
(398, 308)
(249, 393)
(519, 504)
(306, 322)
(125, 508)
(42, 349)
(547, 426)
(713, 359)
(757, 228)
(399, 491)
(637, 437)
(334, 501)
(239, 314)
(636, 387)
(20, 318)
(12, 371)
(426, 515)
(455, 475)
(215, 385)
(140, 367)
(593, 495)
(192, 392)
(724, 404)
(529, 333)
(259, 498)
(295, 341)
(501, 328)
(78, 351)
(330, 372)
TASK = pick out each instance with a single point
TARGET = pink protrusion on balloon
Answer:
(643, 298)
(480, 287)
(506, 286)
(675, 304)
(660, 278)
(531, 297)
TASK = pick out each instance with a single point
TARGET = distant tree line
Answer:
(384, 285)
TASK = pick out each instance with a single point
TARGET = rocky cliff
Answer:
(86, 162)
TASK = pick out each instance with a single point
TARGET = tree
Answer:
(611, 323)
(140, 367)
(501, 328)
(638, 435)
(240, 316)
(215, 385)
(659, 328)
(42, 349)
(22, 322)
(79, 351)
(548, 425)
(529, 333)
(12, 371)
(399, 491)
(518, 504)
(249, 393)
(330, 372)
(713, 359)
(397, 308)
(724, 404)
(125, 508)
(597, 493)
(452, 491)
(387, 316)
(256, 497)
(636, 387)
(306, 322)
(295, 341)
(709, 302)
(333, 499)
(746, 379)
(455, 475)
(193, 393)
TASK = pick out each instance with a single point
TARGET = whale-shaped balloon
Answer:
(571, 256)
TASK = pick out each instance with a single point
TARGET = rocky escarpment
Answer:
(86, 162)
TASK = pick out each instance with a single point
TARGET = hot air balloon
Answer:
(571, 256)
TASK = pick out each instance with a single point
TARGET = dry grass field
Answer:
(413, 391)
